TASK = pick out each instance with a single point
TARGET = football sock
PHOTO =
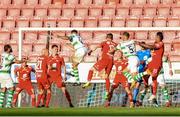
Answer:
(2, 95)
(165, 93)
(135, 94)
(48, 99)
(90, 75)
(9, 98)
(107, 84)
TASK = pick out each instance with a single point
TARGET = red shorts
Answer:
(120, 79)
(27, 85)
(57, 80)
(43, 83)
(155, 68)
(104, 63)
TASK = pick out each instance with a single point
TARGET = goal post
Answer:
(94, 96)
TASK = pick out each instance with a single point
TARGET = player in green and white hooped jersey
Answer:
(128, 49)
(80, 51)
(7, 59)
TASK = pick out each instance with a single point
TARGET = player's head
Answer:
(45, 52)
(54, 49)
(118, 55)
(109, 36)
(24, 61)
(143, 48)
(74, 32)
(159, 36)
(7, 48)
(126, 36)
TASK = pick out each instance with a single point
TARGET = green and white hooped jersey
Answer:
(128, 48)
(76, 41)
(6, 61)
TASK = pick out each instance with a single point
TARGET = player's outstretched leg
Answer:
(10, 97)
(90, 75)
(68, 97)
(2, 96)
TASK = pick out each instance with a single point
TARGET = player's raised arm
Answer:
(94, 49)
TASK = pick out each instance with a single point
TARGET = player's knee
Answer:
(40, 92)
(48, 91)
(33, 96)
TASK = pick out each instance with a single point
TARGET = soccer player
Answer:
(24, 79)
(120, 64)
(143, 55)
(79, 54)
(162, 83)
(155, 65)
(42, 80)
(55, 64)
(7, 59)
(106, 61)
(128, 49)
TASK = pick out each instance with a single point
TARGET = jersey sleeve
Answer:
(118, 47)
(11, 58)
(159, 45)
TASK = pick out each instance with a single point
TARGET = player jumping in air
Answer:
(55, 64)
(7, 59)
(155, 65)
(79, 54)
(143, 55)
(120, 64)
(161, 82)
(24, 79)
(42, 80)
(106, 61)
(128, 49)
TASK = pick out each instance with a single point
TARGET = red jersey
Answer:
(158, 53)
(24, 74)
(120, 65)
(41, 67)
(55, 63)
(108, 49)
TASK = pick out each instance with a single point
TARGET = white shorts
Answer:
(79, 54)
(6, 80)
(160, 80)
(133, 62)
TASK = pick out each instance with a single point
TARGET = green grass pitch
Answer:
(95, 111)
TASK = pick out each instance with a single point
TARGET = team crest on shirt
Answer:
(119, 68)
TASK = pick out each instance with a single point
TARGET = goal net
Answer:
(33, 40)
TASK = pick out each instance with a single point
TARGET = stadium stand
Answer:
(88, 13)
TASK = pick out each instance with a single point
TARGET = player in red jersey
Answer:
(106, 61)
(121, 65)
(55, 64)
(24, 79)
(42, 80)
(155, 65)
